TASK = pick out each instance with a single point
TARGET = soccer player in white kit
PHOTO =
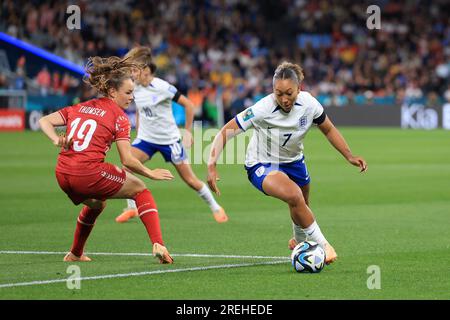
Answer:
(157, 130)
(275, 162)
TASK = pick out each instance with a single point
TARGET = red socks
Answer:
(148, 212)
(85, 223)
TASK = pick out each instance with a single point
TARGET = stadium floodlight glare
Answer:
(42, 53)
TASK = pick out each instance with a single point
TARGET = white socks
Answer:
(313, 232)
(207, 196)
(131, 204)
(299, 234)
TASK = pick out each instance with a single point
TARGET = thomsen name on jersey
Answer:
(94, 111)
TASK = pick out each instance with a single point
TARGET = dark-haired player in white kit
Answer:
(275, 162)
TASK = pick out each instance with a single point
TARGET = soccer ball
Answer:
(308, 256)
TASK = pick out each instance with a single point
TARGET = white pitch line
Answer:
(194, 255)
(137, 274)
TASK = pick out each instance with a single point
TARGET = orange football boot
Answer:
(126, 215)
(220, 216)
(70, 257)
(161, 252)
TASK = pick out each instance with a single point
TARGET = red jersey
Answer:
(93, 125)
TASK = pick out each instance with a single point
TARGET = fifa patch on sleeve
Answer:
(248, 115)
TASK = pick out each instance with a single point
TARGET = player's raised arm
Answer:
(189, 111)
(337, 140)
(228, 131)
(134, 165)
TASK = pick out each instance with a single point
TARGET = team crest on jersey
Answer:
(248, 115)
(302, 122)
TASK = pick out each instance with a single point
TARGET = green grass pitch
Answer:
(396, 217)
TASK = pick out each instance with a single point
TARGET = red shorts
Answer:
(101, 185)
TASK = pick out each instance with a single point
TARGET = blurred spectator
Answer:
(43, 79)
(413, 91)
(433, 100)
(236, 45)
(238, 102)
(447, 94)
(20, 65)
(196, 96)
(19, 80)
(3, 81)
(56, 83)
(3, 85)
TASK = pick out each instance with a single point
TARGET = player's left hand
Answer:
(188, 141)
(63, 142)
(161, 174)
(358, 162)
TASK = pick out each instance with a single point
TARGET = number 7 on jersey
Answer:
(288, 135)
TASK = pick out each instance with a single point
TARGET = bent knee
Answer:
(96, 204)
(295, 199)
(102, 205)
(138, 187)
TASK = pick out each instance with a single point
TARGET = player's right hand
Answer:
(161, 174)
(358, 162)
(212, 179)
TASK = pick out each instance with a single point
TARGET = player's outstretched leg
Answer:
(279, 185)
(185, 171)
(148, 213)
(134, 188)
(85, 224)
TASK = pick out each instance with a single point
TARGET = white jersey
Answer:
(154, 103)
(278, 136)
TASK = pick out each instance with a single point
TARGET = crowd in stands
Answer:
(230, 48)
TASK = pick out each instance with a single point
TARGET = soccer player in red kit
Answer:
(81, 172)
